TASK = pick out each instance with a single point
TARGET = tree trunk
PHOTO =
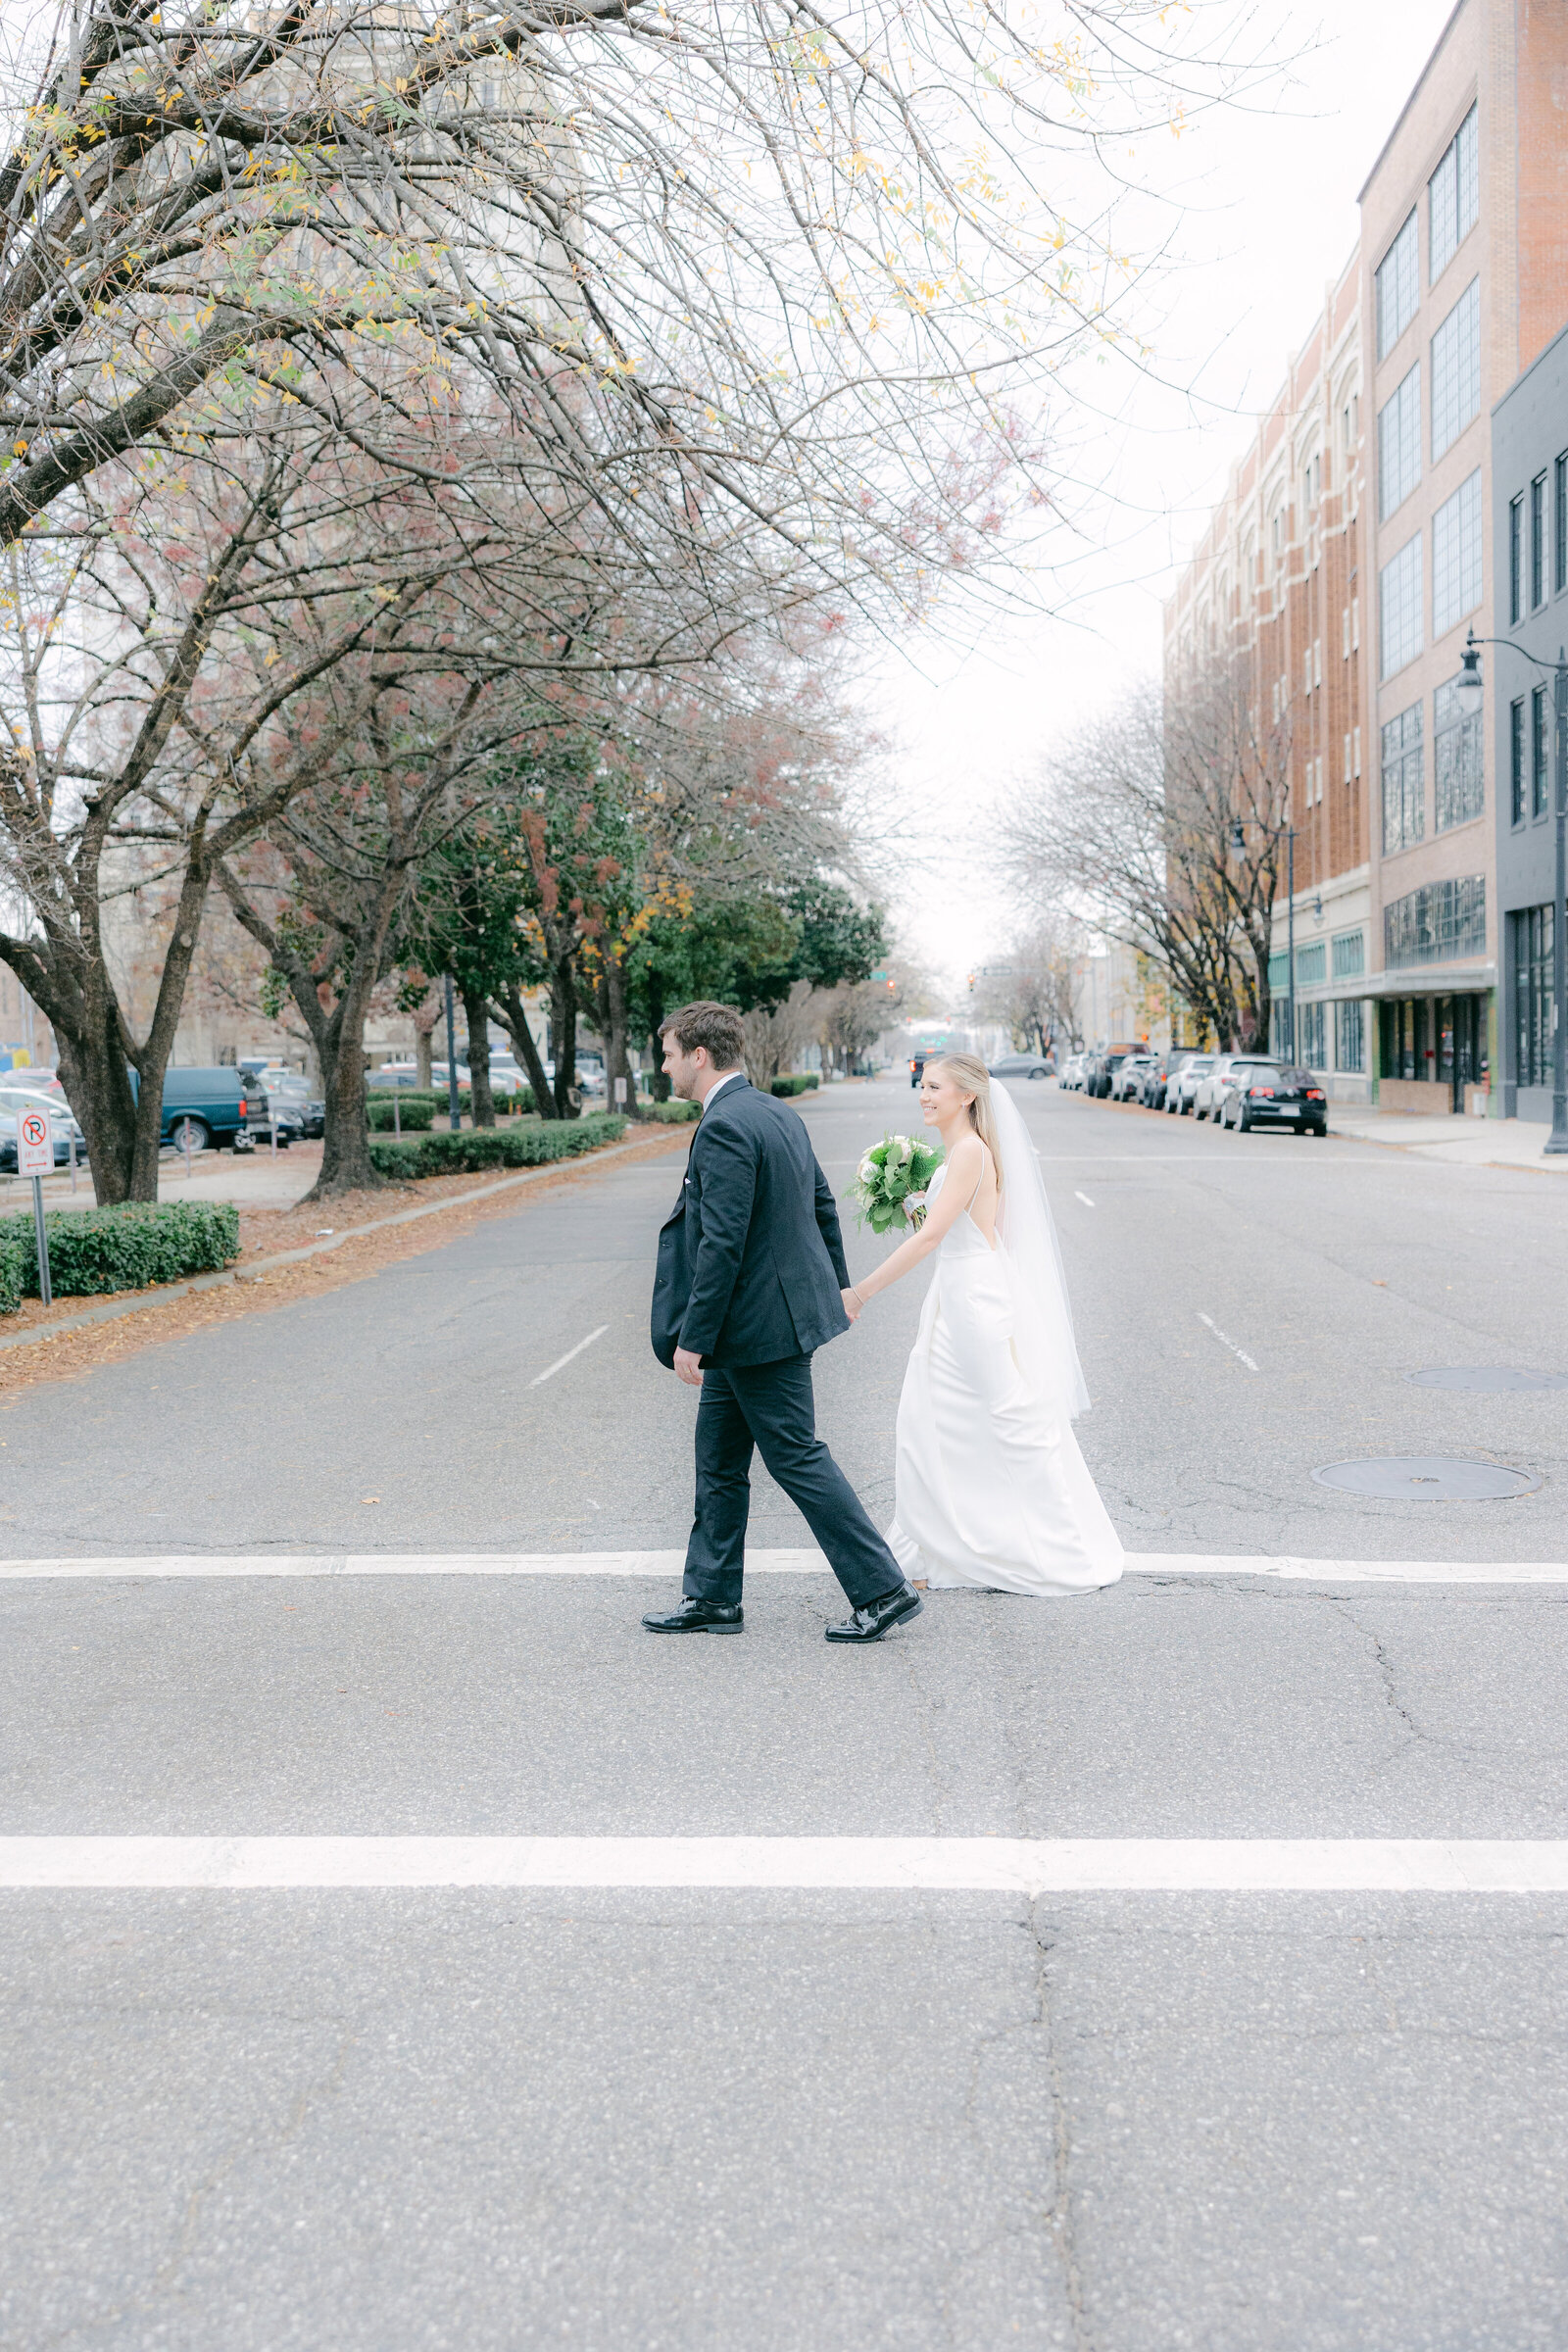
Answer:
(564, 1037)
(620, 1085)
(477, 1017)
(513, 1015)
(425, 1021)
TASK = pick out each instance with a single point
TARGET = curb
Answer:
(112, 1308)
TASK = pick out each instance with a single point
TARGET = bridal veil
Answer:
(1043, 1333)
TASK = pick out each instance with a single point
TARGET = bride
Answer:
(992, 1490)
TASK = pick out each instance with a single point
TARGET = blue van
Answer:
(202, 1108)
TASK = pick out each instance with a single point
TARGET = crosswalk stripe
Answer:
(1008, 1865)
(1280, 1566)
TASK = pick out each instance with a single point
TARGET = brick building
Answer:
(1277, 581)
(1458, 285)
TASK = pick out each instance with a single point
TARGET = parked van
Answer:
(202, 1108)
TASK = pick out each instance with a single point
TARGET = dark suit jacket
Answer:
(751, 1261)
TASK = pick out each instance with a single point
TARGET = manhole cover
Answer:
(1427, 1478)
(1491, 1377)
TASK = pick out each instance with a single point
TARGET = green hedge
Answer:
(415, 1113)
(472, 1149)
(96, 1250)
(797, 1084)
(669, 1115)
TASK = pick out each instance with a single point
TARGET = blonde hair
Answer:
(969, 1073)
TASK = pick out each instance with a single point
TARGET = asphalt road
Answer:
(716, 2120)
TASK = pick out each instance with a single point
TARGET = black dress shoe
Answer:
(699, 1617)
(878, 1617)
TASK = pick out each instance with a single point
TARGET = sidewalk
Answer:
(250, 1179)
(1461, 1142)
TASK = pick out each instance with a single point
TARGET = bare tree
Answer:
(1034, 987)
(1162, 825)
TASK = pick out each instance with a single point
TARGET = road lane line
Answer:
(1280, 1566)
(1022, 1866)
(561, 1362)
(1240, 1353)
(1084, 1197)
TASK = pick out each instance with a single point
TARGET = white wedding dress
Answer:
(992, 1490)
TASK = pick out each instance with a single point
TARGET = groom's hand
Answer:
(688, 1367)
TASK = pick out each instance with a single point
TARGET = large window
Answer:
(1559, 527)
(1457, 371)
(1516, 574)
(1399, 608)
(1458, 772)
(1311, 964)
(1537, 542)
(1349, 1035)
(1399, 288)
(1539, 746)
(1404, 794)
(1453, 197)
(1532, 995)
(1518, 787)
(1399, 444)
(1311, 1045)
(1457, 556)
(1437, 923)
(1350, 954)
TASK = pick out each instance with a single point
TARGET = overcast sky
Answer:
(1268, 219)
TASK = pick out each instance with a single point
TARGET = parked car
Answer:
(1180, 1086)
(1023, 1065)
(402, 1073)
(1103, 1068)
(297, 1093)
(1072, 1074)
(202, 1108)
(1211, 1085)
(1271, 1094)
(15, 1100)
(1129, 1076)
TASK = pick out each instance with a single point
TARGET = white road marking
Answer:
(1004, 1865)
(1084, 1197)
(1240, 1353)
(1286, 1566)
(561, 1362)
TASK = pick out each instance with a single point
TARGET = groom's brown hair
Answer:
(718, 1027)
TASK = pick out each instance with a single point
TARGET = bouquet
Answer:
(889, 1173)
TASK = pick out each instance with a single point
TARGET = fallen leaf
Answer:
(364, 1499)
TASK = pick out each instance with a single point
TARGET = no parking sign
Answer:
(36, 1145)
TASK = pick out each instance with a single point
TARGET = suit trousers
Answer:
(769, 1407)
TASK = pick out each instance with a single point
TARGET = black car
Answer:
(293, 1097)
(1024, 1065)
(1271, 1094)
(921, 1056)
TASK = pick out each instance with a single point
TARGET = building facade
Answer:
(1530, 561)
(1273, 594)
(1386, 559)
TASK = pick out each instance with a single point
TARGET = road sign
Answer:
(35, 1144)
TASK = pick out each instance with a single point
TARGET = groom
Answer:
(750, 1280)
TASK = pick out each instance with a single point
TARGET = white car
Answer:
(1210, 1092)
(1183, 1081)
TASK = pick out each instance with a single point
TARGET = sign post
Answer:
(36, 1158)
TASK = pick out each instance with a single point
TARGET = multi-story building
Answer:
(1273, 595)
(1529, 562)
(1458, 283)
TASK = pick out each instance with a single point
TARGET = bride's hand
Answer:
(851, 1306)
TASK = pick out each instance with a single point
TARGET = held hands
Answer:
(688, 1367)
(853, 1303)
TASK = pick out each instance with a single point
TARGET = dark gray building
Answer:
(1530, 540)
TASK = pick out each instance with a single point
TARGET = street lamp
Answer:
(1470, 692)
(1238, 852)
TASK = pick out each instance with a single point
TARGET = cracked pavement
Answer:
(741, 2122)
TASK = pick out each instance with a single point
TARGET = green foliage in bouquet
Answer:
(889, 1173)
